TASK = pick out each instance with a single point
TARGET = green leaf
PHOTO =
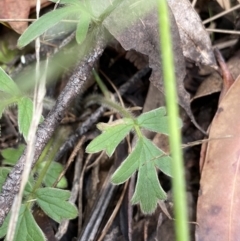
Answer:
(25, 114)
(82, 28)
(27, 228)
(11, 155)
(148, 189)
(128, 166)
(52, 174)
(44, 23)
(157, 156)
(145, 157)
(7, 85)
(53, 202)
(112, 135)
(154, 120)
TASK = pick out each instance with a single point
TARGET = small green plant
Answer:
(79, 12)
(12, 95)
(39, 190)
(144, 158)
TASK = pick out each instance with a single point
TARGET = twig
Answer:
(223, 31)
(47, 128)
(221, 14)
(86, 125)
(74, 192)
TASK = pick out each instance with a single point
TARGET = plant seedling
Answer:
(53, 201)
(145, 157)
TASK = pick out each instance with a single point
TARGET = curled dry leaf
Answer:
(196, 43)
(135, 26)
(219, 197)
(213, 83)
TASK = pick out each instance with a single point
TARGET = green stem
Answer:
(138, 131)
(178, 182)
(101, 85)
(96, 99)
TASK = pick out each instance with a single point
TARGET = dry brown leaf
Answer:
(213, 83)
(219, 197)
(141, 34)
(195, 40)
(140, 61)
(17, 9)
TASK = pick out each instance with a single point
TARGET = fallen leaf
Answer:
(140, 61)
(213, 83)
(195, 40)
(12, 9)
(141, 34)
(219, 197)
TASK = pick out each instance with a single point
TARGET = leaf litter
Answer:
(141, 35)
(186, 45)
(219, 197)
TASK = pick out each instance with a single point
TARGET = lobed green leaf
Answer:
(154, 120)
(157, 156)
(129, 165)
(148, 189)
(53, 202)
(112, 135)
(145, 157)
(27, 228)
